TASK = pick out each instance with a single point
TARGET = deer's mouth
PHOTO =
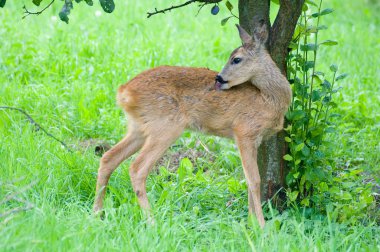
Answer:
(220, 83)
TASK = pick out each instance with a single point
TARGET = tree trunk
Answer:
(273, 169)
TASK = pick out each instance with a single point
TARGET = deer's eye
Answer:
(236, 61)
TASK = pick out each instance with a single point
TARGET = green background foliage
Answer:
(312, 180)
(66, 77)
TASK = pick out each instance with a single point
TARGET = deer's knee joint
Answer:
(256, 184)
(106, 159)
(132, 173)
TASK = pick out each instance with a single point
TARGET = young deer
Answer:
(162, 102)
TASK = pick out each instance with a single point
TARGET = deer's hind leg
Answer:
(113, 158)
(157, 142)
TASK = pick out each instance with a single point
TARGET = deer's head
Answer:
(245, 61)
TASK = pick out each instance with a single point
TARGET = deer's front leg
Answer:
(248, 152)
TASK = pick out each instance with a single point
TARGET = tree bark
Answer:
(273, 169)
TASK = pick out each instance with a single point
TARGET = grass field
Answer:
(66, 77)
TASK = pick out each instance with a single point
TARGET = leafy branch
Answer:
(204, 2)
(27, 12)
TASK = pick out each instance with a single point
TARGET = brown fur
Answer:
(163, 101)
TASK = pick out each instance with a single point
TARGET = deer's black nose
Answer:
(220, 79)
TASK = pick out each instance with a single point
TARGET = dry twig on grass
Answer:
(36, 125)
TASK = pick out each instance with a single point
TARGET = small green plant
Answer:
(312, 180)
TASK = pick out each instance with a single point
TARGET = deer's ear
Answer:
(260, 34)
(246, 39)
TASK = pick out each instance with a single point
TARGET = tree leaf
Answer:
(65, 11)
(2, 3)
(329, 42)
(229, 5)
(107, 5)
(224, 20)
(89, 2)
(37, 2)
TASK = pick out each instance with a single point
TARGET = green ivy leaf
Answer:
(323, 187)
(305, 151)
(293, 195)
(299, 147)
(288, 139)
(346, 196)
(287, 157)
(305, 202)
(107, 5)
(2, 3)
(303, 179)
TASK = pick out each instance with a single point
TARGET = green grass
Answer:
(66, 77)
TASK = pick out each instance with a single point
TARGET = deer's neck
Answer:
(273, 86)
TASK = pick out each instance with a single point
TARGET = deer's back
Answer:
(184, 95)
